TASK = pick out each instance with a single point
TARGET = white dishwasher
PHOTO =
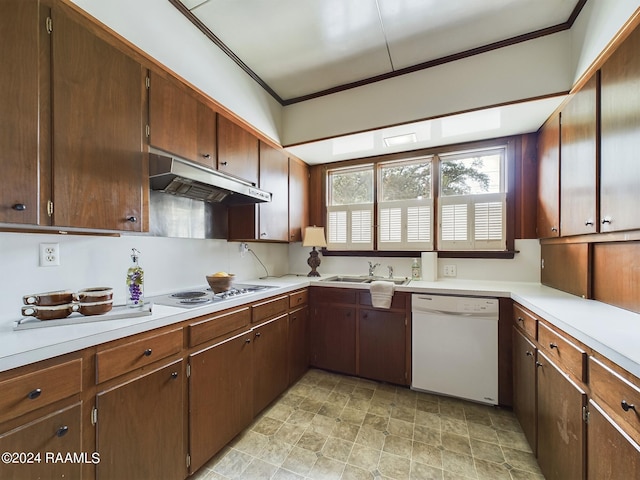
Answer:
(454, 346)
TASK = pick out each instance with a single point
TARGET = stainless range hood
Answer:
(170, 174)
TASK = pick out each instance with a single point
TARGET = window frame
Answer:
(515, 155)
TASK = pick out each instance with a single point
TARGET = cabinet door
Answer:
(57, 433)
(561, 429)
(237, 151)
(140, 428)
(173, 115)
(524, 386)
(97, 131)
(207, 136)
(298, 199)
(333, 338)
(578, 167)
(383, 346)
(549, 179)
(19, 103)
(620, 123)
(274, 178)
(298, 343)
(220, 396)
(270, 375)
(611, 453)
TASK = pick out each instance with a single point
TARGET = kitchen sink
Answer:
(363, 279)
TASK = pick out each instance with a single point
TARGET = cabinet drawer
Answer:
(218, 325)
(270, 308)
(324, 295)
(119, 360)
(298, 298)
(525, 321)
(568, 355)
(29, 392)
(614, 390)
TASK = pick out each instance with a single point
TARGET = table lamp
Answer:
(314, 237)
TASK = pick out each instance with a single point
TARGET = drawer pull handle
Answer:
(174, 375)
(62, 431)
(248, 340)
(258, 334)
(626, 406)
(553, 345)
(20, 207)
(529, 354)
(132, 219)
(33, 394)
(147, 352)
(538, 364)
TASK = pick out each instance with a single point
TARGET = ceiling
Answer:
(303, 49)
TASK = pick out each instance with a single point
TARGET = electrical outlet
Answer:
(244, 248)
(49, 254)
(450, 271)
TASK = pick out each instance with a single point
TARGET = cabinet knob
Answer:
(132, 219)
(258, 334)
(206, 155)
(606, 220)
(627, 406)
(248, 340)
(554, 229)
(263, 234)
(538, 364)
(19, 207)
(553, 345)
(174, 375)
(62, 431)
(147, 352)
(33, 394)
(589, 223)
(521, 320)
(529, 354)
(224, 164)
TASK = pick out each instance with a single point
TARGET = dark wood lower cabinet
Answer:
(524, 386)
(383, 347)
(270, 375)
(140, 427)
(57, 433)
(298, 343)
(220, 396)
(611, 453)
(561, 429)
(333, 338)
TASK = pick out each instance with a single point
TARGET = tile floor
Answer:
(330, 426)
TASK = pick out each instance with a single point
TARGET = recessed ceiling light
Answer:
(400, 139)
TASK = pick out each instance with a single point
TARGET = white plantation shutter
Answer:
(473, 222)
(350, 227)
(405, 225)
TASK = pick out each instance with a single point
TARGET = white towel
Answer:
(381, 293)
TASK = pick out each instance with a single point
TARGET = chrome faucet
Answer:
(390, 271)
(372, 268)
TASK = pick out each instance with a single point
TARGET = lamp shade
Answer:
(314, 237)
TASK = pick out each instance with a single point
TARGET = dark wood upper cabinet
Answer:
(579, 165)
(298, 198)
(274, 175)
(98, 172)
(21, 99)
(237, 151)
(179, 123)
(620, 124)
(548, 224)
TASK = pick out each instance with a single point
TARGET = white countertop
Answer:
(611, 331)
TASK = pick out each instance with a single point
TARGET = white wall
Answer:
(525, 267)
(159, 29)
(169, 263)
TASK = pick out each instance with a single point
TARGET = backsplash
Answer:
(89, 261)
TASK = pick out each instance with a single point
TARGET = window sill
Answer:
(502, 254)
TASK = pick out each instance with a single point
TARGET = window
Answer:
(472, 201)
(350, 208)
(390, 205)
(405, 205)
